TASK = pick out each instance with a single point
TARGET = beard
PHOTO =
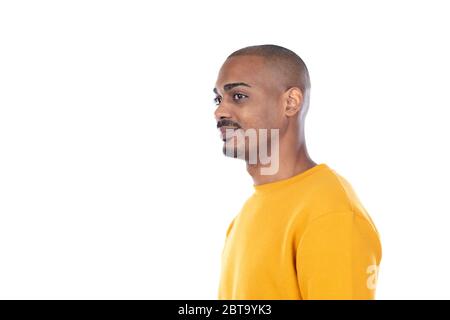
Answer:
(232, 150)
(255, 149)
(246, 148)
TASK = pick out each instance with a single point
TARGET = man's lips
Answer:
(223, 131)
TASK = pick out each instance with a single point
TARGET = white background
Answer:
(112, 179)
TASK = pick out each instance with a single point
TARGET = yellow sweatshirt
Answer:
(305, 237)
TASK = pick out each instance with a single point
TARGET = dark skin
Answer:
(253, 93)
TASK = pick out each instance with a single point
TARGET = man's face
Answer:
(248, 96)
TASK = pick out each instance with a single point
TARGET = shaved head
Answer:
(289, 68)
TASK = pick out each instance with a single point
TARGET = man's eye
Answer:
(217, 100)
(239, 96)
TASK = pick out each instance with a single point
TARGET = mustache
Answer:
(227, 123)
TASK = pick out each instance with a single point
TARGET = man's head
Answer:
(262, 87)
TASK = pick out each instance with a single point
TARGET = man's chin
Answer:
(232, 151)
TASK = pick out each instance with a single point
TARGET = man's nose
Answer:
(222, 112)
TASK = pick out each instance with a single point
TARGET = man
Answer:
(303, 233)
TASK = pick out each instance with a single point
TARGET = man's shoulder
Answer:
(332, 192)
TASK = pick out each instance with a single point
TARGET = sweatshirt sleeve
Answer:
(338, 258)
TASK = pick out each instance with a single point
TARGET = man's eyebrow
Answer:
(230, 86)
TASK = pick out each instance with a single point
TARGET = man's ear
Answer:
(294, 101)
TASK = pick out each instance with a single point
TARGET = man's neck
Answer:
(291, 162)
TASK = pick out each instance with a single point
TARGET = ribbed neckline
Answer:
(262, 188)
